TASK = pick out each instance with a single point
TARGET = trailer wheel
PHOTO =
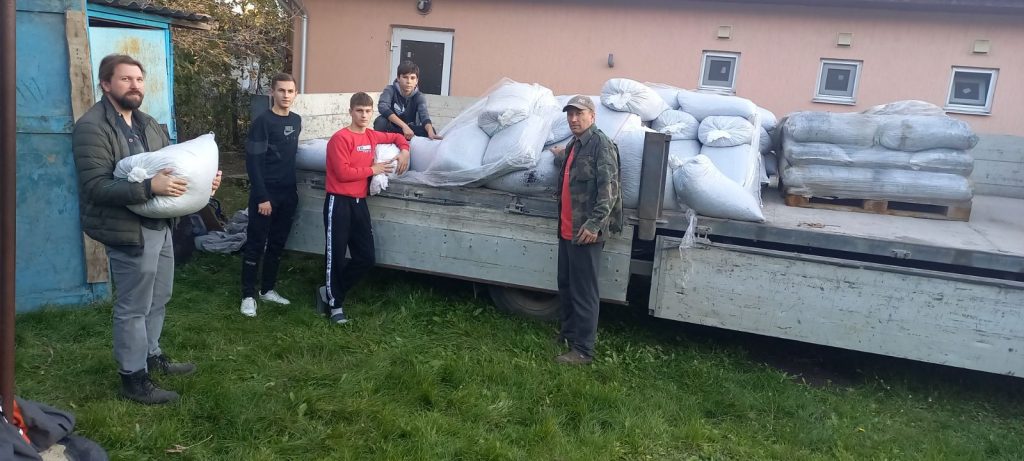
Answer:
(531, 304)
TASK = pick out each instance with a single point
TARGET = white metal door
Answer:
(431, 50)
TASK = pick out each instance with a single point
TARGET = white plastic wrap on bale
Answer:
(676, 123)
(468, 116)
(935, 160)
(312, 155)
(701, 105)
(540, 180)
(383, 153)
(876, 184)
(907, 107)
(735, 162)
(516, 147)
(612, 122)
(461, 150)
(194, 161)
(625, 95)
(421, 152)
(724, 131)
(452, 161)
(511, 102)
(668, 93)
(631, 153)
(847, 129)
(684, 149)
(919, 132)
(701, 186)
(768, 120)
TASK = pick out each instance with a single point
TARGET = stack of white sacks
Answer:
(905, 151)
(503, 132)
(503, 142)
(715, 167)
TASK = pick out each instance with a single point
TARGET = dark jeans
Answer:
(578, 294)
(383, 124)
(347, 223)
(270, 233)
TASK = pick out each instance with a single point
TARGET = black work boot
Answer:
(138, 387)
(162, 364)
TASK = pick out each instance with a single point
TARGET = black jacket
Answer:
(98, 145)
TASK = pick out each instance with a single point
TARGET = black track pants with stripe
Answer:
(347, 223)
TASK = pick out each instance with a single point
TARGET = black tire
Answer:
(531, 304)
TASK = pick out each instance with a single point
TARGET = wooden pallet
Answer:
(959, 211)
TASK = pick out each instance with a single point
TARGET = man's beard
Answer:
(129, 104)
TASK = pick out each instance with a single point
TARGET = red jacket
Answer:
(350, 156)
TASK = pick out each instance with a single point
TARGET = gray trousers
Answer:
(580, 301)
(142, 283)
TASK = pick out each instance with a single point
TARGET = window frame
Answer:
(970, 108)
(705, 57)
(836, 99)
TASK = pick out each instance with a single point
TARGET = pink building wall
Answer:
(564, 45)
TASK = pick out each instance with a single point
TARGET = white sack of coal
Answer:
(724, 131)
(676, 123)
(540, 180)
(920, 132)
(701, 105)
(701, 186)
(625, 95)
(194, 161)
(511, 102)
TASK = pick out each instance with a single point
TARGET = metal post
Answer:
(8, 131)
(652, 183)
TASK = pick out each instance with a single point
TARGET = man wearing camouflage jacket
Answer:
(590, 206)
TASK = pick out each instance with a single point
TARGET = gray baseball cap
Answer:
(580, 102)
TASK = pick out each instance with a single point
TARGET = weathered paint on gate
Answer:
(50, 265)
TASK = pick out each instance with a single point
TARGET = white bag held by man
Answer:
(195, 161)
(383, 153)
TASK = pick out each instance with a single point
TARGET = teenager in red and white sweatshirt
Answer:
(350, 165)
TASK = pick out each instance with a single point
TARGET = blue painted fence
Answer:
(50, 261)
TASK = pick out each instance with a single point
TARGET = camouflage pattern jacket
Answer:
(594, 184)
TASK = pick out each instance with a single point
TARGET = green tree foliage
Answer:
(251, 38)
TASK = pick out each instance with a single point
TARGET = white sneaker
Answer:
(248, 307)
(274, 297)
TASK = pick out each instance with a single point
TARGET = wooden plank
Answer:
(961, 321)
(953, 211)
(97, 269)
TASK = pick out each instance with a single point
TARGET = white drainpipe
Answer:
(302, 65)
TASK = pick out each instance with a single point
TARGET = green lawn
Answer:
(429, 370)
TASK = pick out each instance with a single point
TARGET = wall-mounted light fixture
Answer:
(423, 6)
(611, 60)
(724, 32)
(981, 47)
(844, 39)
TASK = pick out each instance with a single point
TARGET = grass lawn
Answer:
(427, 369)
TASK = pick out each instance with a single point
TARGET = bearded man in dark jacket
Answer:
(140, 249)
